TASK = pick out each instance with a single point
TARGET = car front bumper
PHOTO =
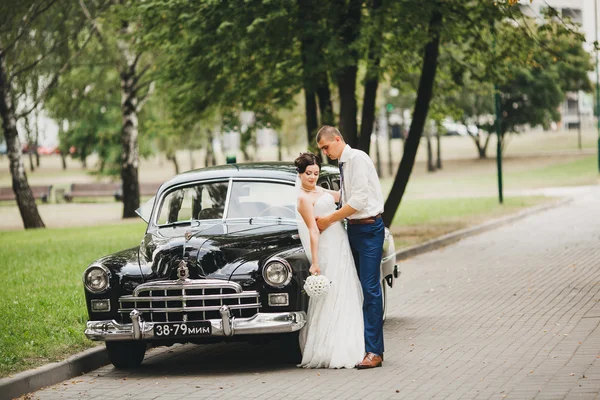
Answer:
(261, 323)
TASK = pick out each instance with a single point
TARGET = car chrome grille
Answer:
(189, 300)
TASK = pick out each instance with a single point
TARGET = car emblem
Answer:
(182, 271)
(188, 235)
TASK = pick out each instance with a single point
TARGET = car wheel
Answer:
(290, 347)
(127, 354)
(384, 290)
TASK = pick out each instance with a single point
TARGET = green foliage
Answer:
(229, 56)
(38, 39)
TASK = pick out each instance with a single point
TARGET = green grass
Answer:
(480, 177)
(42, 307)
(583, 171)
(419, 220)
(431, 211)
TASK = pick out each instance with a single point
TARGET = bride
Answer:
(333, 336)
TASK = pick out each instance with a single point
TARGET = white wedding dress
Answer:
(333, 336)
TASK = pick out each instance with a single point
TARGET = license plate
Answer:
(182, 329)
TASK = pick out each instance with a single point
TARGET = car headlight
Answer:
(277, 272)
(96, 278)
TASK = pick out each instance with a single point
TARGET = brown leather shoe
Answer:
(370, 361)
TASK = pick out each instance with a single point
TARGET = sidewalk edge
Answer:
(455, 236)
(51, 374)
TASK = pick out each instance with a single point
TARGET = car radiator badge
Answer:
(182, 271)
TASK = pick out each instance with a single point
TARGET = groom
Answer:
(362, 205)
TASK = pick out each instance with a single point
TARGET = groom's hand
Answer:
(323, 223)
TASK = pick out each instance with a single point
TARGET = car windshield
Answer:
(251, 199)
(247, 199)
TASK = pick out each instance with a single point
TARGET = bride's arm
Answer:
(306, 210)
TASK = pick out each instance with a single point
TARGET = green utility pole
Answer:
(498, 121)
(597, 79)
(499, 138)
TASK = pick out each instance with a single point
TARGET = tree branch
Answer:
(33, 12)
(136, 82)
(95, 28)
(145, 98)
(36, 62)
(55, 78)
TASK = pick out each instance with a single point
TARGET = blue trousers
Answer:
(366, 242)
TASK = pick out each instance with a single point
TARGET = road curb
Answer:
(455, 236)
(50, 374)
(78, 364)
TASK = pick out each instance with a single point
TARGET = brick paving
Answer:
(512, 313)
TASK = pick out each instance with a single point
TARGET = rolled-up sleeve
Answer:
(360, 184)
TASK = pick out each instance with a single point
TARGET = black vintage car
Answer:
(220, 260)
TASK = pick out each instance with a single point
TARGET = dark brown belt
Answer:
(361, 221)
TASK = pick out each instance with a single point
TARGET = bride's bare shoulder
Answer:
(303, 199)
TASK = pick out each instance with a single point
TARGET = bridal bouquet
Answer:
(317, 285)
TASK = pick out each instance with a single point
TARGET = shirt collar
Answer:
(346, 154)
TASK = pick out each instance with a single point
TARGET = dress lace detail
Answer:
(333, 336)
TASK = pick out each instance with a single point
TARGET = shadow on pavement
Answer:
(213, 359)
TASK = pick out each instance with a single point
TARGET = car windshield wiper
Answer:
(271, 218)
(190, 222)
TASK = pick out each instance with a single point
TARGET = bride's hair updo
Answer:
(306, 159)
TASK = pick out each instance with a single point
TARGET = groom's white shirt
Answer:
(362, 190)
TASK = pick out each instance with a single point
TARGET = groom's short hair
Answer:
(329, 132)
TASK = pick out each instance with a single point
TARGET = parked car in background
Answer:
(220, 260)
(457, 129)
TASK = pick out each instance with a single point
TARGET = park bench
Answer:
(90, 190)
(41, 192)
(146, 189)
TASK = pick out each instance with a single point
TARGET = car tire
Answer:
(127, 354)
(384, 291)
(290, 347)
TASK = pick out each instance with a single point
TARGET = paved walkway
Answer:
(512, 313)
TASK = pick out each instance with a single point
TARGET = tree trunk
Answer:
(312, 124)
(25, 200)
(83, 156)
(348, 105)
(377, 155)
(439, 146)
(63, 159)
(324, 96)
(37, 140)
(372, 79)
(279, 146)
(211, 159)
(192, 163)
(129, 132)
(30, 154)
(173, 159)
(309, 53)
(368, 114)
(29, 140)
(430, 166)
(411, 144)
(346, 75)
(481, 148)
